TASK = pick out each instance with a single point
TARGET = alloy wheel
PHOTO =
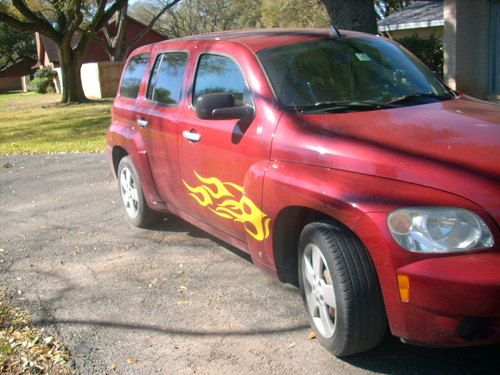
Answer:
(320, 295)
(129, 192)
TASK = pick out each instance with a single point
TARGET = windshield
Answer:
(349, 74)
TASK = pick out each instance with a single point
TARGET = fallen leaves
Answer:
(180, 272)
(311, 335)
(132, 361)
(181, 289)
(24, 349)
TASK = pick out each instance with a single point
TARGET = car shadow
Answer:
(174, 224)
(394, 357)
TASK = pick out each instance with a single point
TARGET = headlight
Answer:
(439, 229)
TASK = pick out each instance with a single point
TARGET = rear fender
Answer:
(131, 141)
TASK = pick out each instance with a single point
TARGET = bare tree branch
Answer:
(101, 6)
(32, 23)
(118, 4)
(152, 22)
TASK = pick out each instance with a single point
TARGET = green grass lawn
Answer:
(32, 123)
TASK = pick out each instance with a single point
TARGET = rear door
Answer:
(158, 114)
(125, 105)
(217, 157)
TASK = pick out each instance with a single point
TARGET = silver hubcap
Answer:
(130, 195)
(319, 292)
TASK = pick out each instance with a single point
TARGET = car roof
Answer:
(258, 39)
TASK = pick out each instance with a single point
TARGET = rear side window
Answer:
(133, 75)
(166, 80)
(220, 74)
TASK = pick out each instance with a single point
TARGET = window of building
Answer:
(220, 74)
(166, 79)
(133, 75)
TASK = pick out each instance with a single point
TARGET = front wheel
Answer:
(340, 289)
(135, 204)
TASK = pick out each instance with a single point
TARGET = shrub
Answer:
(429, 50)
(44, 80)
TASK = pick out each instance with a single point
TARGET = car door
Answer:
(125, 105)
(158, 115)
(216, 157)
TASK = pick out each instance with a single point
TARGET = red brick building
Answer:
(10, 77)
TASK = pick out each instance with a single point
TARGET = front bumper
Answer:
(459, 285)
(454, 300)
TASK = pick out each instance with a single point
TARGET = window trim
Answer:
(148, 54)
(160, 54)
(192, 104)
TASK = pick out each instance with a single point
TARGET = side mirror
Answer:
(220, 106)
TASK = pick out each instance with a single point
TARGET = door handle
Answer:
(191, 135)
(142, 123)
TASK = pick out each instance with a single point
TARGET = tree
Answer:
(15, 45)
(113, 40)
(356, 15)
(63, 21)
(200, 16)
(292, 13)
(386, 7)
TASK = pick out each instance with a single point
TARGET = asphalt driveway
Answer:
(172, 300)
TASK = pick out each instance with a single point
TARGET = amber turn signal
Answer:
(404, 287)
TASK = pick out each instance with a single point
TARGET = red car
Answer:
(338, 161)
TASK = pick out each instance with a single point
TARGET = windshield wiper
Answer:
(341, 106)
(418, 95)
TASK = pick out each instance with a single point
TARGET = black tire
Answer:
(358, 319)
(143, 216)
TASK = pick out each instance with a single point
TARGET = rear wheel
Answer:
(135, 205)
(340, 289)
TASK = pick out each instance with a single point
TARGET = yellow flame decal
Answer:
(229, 201)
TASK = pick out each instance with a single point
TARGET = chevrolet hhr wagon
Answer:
(338, 161)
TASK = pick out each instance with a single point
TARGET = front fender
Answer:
(360, 202)
(343, 196)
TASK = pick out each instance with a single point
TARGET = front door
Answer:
(216, 156)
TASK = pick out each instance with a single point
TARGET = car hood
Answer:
(462, 132)
(452, 146)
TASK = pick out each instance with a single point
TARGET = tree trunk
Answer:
(358, 15)
(71, 80)
(122, 54)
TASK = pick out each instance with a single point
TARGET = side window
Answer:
(167, 77)
(218, 74)
(133, 75)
